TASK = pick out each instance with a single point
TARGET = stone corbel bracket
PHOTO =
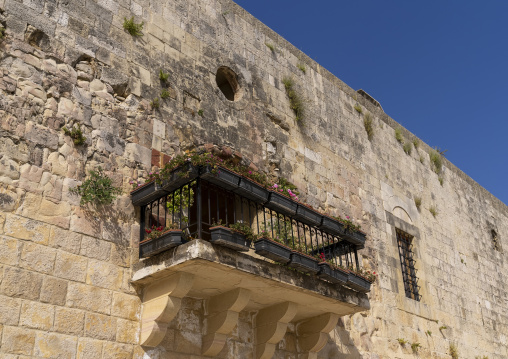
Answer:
(223, 311)
(312, 334)
(271, 326)
(161, 303)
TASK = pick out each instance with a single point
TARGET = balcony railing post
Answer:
(199, 208)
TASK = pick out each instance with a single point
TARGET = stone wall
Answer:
(65, 269)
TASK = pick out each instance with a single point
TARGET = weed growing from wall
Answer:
(436, 161)
(200, 113)
(76, 134)
(429, 333)
(416, 143)
(367, 123)
(415, 347)
(97, 189)
(302, 67)
(441, 180)
(296, 102)
(454, 353)
(407, 148)
(433, 211)
(421, 159)
(358, 108)
(164, 94)
(163, 77)
(132, 28)
(398, 135)
(402, 341)
(155, 104)
(418, 202)
(2, 32)
(270, 46)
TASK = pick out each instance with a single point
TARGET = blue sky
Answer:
(439, 68)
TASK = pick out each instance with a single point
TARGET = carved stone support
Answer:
(222, 318)
(312, 334)
(270, 328)
(161, 303)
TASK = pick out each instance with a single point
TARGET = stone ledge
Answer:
(217, 270)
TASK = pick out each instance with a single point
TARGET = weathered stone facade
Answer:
(66, 270)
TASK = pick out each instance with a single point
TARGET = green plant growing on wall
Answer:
(97, 188)
(132, 28)
(454, 353)
(200, 112)
(418, 202)
(2, 32)
(407, 148)
(421, 159)
(416, 142)
(402, 341)
(76, 134)
(270, 46)
(433, 211)
(164, 94)
(155, 104)
(398, 135)
(302, 67)
(436, 161)
(429, 333)
(481, 357)
(358, 108)
(295, 100)
(415, 347)
(441, 180)
(367, 123)
(163, 77)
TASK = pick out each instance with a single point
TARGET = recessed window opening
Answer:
(227, 81)
(407, 262)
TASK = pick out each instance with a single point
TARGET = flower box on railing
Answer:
(332, 226)
(228, 238)
(355, 237)
(273, 250)
(167, 240)
(181, 176)
(281, 203)
(221, 177)
(358, 283)
(147, 193)
(308, 215)
(304, 263)
(331, 274)
(252, 190)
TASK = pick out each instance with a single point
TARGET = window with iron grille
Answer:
(407, 262)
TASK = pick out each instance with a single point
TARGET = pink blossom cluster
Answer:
(293, 196)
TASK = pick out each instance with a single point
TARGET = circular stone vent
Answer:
(227, 81)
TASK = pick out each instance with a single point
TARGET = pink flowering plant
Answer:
(367, 274)
(286, 188)
(348, 223)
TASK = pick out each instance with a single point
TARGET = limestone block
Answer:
(9, 251)
(69, 321)
(126, 306)
(105, 275)
(100, 326)
(17, 340)
(97, 86)
(120, 255)
(53, 291)
(82, 96)
(9, 168)
(108, 142)
(17, 152)
(65, 240)
(70, 266)
(28, 229)
(20, 283)
(89, 348)
(95, 248)
(9, 310)
(20, 69)
(89, 298)
(37, 315)
(137, 153)
(65, 107)
(38, 258)
(58, 346)
(58, 164)
(159, 128)
(117, 351)
(127, 331)
(86, 222)
(67, 72)
(41, 135)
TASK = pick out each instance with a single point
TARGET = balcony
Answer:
(277, 246)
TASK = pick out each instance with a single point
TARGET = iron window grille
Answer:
(407, 262)
(196, 206)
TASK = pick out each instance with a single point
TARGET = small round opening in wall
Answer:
(227, 81)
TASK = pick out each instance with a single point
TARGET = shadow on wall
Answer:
(340, 345)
